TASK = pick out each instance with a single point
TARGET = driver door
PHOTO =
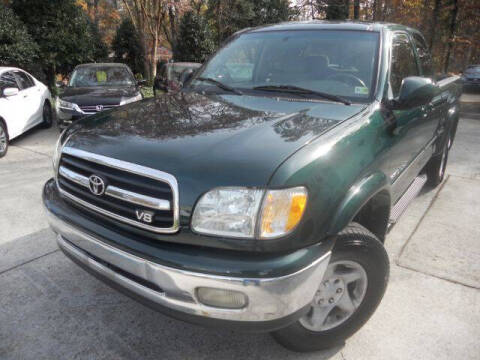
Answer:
(408, 135)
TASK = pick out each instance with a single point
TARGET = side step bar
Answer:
(406, 198)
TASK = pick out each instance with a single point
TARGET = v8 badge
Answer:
(145, 216)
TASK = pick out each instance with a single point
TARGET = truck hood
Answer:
(209, 141)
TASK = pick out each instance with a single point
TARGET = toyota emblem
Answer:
(96, 185)
(99, 107)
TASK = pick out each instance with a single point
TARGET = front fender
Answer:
(358, 196)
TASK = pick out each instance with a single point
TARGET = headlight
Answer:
(67, 105)
(234, 211)
(131, 100)
(227, 211)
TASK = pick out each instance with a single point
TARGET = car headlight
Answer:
(236, 211)
(67, 105)
(131, 100)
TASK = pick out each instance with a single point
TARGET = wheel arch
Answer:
(368, 202)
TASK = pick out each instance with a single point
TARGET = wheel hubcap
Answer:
(3, 140)
(338, 297)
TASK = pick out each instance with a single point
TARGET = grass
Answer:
(147, 91)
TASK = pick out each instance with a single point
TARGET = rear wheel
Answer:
(47, 115)
(3, 139)
(349, 293)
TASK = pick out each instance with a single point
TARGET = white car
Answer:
(24, 103)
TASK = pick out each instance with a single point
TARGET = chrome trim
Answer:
(116, 192)
(268, 298)
(73, 176)
(138, 199)
(134, 169)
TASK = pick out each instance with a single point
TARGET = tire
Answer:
(3, 139)
(47, 116)
(437, 165)
(358, 247)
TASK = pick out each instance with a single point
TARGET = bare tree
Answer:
(356, 9)
(451, 40)
(148, 17)
(436, 11)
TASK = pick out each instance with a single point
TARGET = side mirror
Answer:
(414, 91)
(10, 92)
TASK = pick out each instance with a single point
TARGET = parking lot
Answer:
(51, 309)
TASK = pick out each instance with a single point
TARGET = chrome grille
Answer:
(129, 189)
(90, 109)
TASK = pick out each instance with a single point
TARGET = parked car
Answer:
(24, 103)
(96, 87)
(170, 76)
(471, 77)
(259, 197)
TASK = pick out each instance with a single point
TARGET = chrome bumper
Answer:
(268, 298)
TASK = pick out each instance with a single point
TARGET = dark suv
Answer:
(471, 77)
(94, 88)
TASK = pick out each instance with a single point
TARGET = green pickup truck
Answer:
(259, 197)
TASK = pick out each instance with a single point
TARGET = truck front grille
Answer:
(130, 193)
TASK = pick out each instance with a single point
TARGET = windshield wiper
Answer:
(300, 90)
(220, 85)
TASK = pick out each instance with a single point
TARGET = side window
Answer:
(424, 55)
(403, 62)
(24, 80)
(7, 80)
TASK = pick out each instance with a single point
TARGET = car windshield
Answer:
(341, 63)
(101, 76)
(473, 70)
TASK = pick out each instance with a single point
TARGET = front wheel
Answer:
(47, 115)
(351, 289)
(3, 139)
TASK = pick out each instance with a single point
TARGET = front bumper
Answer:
(273, 302)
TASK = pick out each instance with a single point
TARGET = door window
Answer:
(423, 55)
(7, 80)
(24, 80)
(403, 62)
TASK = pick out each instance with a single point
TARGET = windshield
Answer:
(341, 63)
(101, 76)
(473, 70)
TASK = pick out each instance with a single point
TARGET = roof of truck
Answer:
(331, 25)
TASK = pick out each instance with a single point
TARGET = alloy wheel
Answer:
(339, 295)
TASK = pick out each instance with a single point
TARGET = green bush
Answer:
(127, 47)
(195, 41)
(17, 47)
